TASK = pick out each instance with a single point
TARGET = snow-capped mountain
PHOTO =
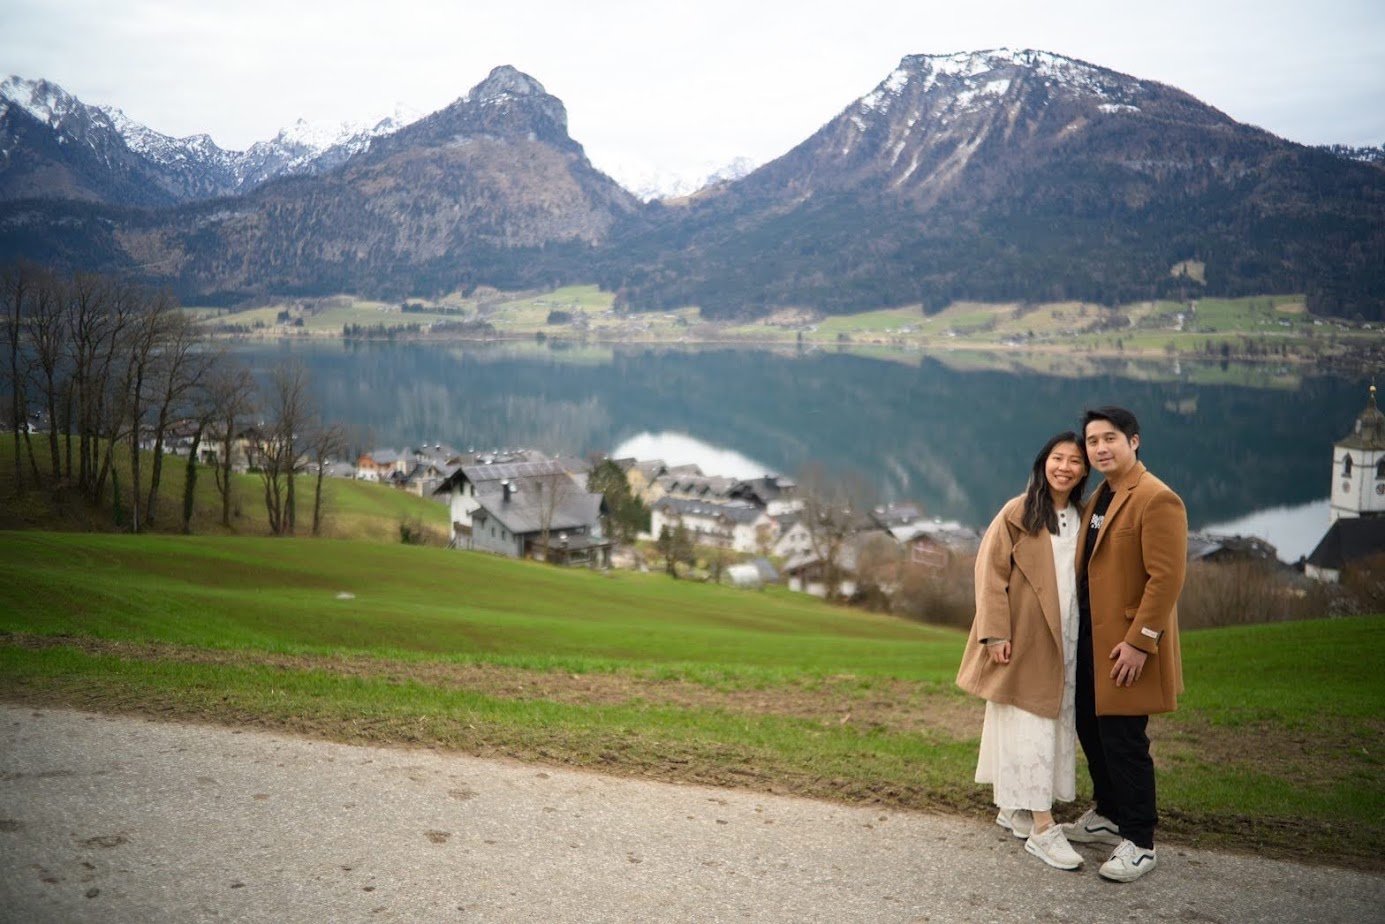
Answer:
(651, 183)
(52, 145)
(1002, 174)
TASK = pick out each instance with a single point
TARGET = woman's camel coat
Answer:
(1016, 598)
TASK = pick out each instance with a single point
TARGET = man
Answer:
(1130, 563)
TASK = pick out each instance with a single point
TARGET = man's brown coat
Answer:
(1135, 575)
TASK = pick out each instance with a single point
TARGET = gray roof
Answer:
(735, 511)
(524, 512)
(480, 474)
(1347, 540)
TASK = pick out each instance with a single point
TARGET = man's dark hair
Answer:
(1118, 417)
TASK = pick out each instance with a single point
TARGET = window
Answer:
(1346, 466)
(1380, 470)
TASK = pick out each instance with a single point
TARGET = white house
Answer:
(736, 525)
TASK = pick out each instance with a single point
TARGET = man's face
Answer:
(1110, 451)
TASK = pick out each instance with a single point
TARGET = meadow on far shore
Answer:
(1273, 328)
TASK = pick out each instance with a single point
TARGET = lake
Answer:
(1247, 447)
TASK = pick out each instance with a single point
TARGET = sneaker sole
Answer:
(1129, 877)
(1132, 876)
(1029, 848)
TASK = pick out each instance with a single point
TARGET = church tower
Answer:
(1358, 467)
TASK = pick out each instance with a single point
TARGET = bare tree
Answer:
(149, 333)
(231, 394)
(16, 290)
(45, 333)
(281, 444)
(324, 443)
(833, 506)
(180, 368)
(552, 490)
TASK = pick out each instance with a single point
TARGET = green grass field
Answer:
(1276, 748)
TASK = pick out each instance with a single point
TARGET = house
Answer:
(641, 477)
(1221, 549)
(381, 464)
(563, 528)
(934, 543)
(794, 540)
(1348, 540)
(736, 525)
(775, 495)
(424, 477)
(467, 484)
(808, 572)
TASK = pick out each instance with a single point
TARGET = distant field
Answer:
(1275, 751)
(1264, 326)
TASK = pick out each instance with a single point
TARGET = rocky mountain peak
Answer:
(505, 81)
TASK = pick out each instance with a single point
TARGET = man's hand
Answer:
(999, 652)
(1130, 662)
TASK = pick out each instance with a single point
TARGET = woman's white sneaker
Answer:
(1128, 862)
(1053, 848)
(1019, 822)
(1092, 828)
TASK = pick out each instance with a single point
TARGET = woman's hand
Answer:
(999, 652)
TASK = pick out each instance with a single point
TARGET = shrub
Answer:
(945, 596)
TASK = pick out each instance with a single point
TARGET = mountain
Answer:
(490, 189)
(1018, 175)
(649, 184)
(54, 146)
(993, 175)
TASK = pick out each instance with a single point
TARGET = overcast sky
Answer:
(674, 87)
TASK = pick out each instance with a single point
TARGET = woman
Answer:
(1021, 652)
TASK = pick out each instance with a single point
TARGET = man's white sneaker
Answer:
(1019, 822)
(1092, 828)
(1053, 848)
(1128, 862)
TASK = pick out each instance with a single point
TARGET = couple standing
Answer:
(1076, 639)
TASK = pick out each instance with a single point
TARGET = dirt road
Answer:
(116, 819)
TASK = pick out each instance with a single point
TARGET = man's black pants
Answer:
(1117, 750)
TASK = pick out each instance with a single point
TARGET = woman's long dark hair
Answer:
(1039, 512)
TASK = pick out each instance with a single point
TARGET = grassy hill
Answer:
(1276, 748)
(351, 509)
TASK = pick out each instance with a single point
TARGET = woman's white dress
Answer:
(1031, 761)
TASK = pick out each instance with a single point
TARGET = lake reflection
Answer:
(959, 440)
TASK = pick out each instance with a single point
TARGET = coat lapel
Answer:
(1117, 502)
(1034, 558)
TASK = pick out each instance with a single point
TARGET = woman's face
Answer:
(1064, 466)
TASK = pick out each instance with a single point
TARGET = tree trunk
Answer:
(317, 502)
(190, 481)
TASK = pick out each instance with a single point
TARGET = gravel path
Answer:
(116, 819)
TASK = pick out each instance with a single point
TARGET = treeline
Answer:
(94, 365)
